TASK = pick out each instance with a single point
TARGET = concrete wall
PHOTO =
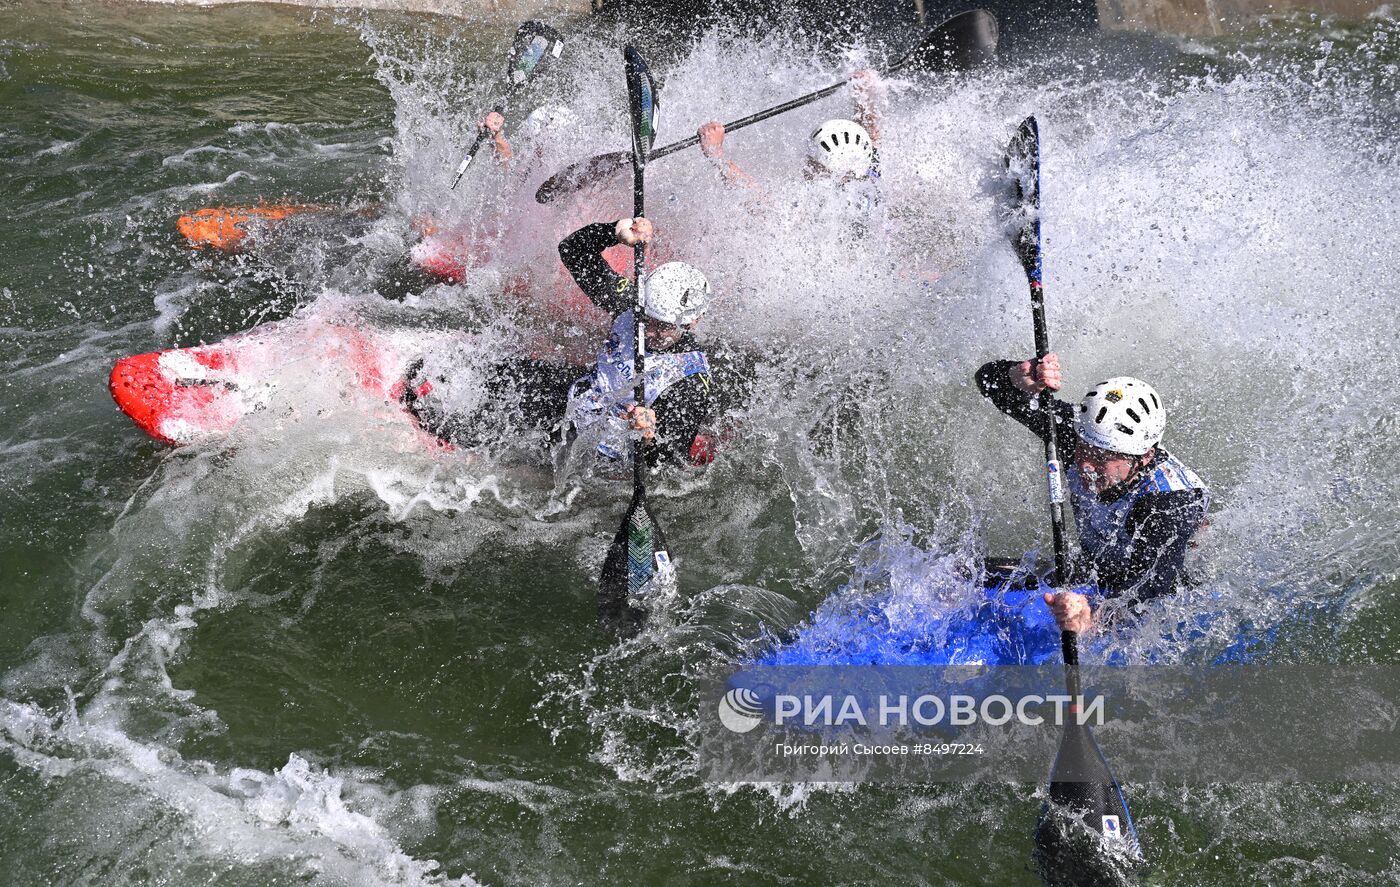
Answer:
(479, 10)
(1209, 18)
(1206, 18)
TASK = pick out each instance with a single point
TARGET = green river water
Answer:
(314, 652)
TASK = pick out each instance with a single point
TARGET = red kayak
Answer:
(184, 395)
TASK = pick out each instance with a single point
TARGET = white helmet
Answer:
(676, 293)
(1122, 415)
(842, 147)
(550, 118)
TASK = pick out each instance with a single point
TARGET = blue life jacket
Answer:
(598, 402)
(1102, 526)
(863, 195)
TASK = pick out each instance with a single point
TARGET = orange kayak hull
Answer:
(224, 228)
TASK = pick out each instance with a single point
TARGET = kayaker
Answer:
(840, 150)
(545, 124)
(689, 386)
(1136, 507)
(447, 253)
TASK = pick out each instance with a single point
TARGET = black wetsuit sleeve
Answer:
(1161, 526)
(582, 253)
(1023, 407)
(682, 412)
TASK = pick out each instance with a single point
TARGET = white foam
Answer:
(297, 817)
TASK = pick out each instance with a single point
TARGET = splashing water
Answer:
(316, 648)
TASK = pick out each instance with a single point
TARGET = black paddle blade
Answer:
(1023, 169)
(1085, 835)
(643, 101)
(967, 40)
(535, 48)
(577, 176)
(637, 568)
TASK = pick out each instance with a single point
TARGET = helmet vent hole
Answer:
(1146, 410)
(1154, 401)
(1132, 415)
(1125, 429)
(1103, 411)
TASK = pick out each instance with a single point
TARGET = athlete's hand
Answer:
(642, 419)
(1035, 376)
(712, 139)
(425, 224)
(866, 83)
(492, 122)
(1072, 611)
(633, 231)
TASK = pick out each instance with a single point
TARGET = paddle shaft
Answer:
(639, 359)
(754, 118)
(1030, 254)
(482, 134)
(643, 102)
(775, 110)
(1052, 449)
(1069, 641)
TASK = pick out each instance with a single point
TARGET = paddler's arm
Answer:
(870, 94)
(712, 147)
(582, 254)
(1161, 526)
(494, 123)
(994, 380)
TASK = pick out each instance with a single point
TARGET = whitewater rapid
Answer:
(1218, 223)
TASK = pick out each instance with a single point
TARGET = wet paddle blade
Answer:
(643, 102)
(536, 46)
(965, 41)
(637, 568)
(1023, 170)
(1105, 850)
(580, 175)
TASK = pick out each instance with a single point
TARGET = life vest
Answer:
(598, 402)
(862, 195)
(1102, 526)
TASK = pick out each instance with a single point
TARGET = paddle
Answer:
(638, 563)
(1080, 780)
(963, 42)
(535, 47)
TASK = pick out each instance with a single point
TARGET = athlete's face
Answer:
(661, 336)
(815, 171)
(1102, 469)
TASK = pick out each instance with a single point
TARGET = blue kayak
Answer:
(1008, 627)
(1008, 624)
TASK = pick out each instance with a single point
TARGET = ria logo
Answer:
(740, 710)
(1110, 827)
